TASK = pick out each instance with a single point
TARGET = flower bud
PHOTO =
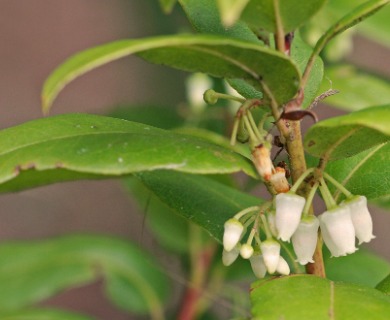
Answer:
(361, 218)
(258, 266)
(279, 181)
(228, 257)
(271, 254)
(289, 208)
(304, 239)
(338, 231)
(262, 160)
(246, 251)
(232, 234)
(283, 267)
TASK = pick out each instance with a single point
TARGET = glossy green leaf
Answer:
(33, 271)
(205, 18)
(358, 90)
(88, 146)
(167, 5)
(344, 136)
(231, 10)
(198, 199)
(365, 173)
(219, 57)
(42, 314)
(310, 297)
(362, 268)
(260, 14)
(384, 285)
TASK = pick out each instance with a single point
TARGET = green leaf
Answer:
(310, 297)
(33, 271)
(364, 173)
(167, 5)
(205, 18)
(344, 136)
(358, 90)
(219, 57)
(42, 314)
(82, 146)
(260, 14)
(362, 268)
(384, 285)
(231, 10)
(198, 199)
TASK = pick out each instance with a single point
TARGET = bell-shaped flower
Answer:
(257, 264)
(338, 231)
(232, 233)
(261, 156)
(271, 253)
(283, 267)
(289, 208)
(304, 239)
(271, 219)
(361, 218)
(228, 257)
(246, 251)
(279, 181)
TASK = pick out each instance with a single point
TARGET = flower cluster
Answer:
(287, 219)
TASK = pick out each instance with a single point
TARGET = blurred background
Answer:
(35, 37)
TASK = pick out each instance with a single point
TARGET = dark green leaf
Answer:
(167, 5)
(310, 297)
(362, 268)
(260, 14)
(89, 146)
(364, 173)
(42, 314)
(199, 199)
(358, 90)
(384, 285)
(33, 271)
(217, 56)
(344, 136)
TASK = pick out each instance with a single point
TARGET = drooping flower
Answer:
(232, 233)
(228, 257)
(271, 253)
(338, 231)
(257, 264)
(261, 156)
(283, 267)
(289, 208)
(272, 223)
(304, 239)
(246, 251)
(361, 218)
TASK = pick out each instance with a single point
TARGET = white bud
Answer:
(338, 231)
(261, 157)
(246, 251)
(361, 218)
(272, 223)
(279, 181)
(228, 257)
(289, 208)
(304, 239)
(283, 267)
(232, 234)
(258, 266)
(271, 254)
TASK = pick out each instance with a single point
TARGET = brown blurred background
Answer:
(35, 37)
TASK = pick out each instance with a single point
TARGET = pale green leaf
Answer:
(217, 56)
(33, 271)
(42, 314)
(231, 10)
(78, 146)
(311, 297)
(344, 136)
(167, 5)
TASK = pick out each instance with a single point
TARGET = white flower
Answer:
(246, 251)
(232, 234)
(228, 257)
(361, 218)
(283, 267)
(271, 253)
(304, 239)
(196, 85)
(258, 266)
(338, 231)
(289, 208)
(272, 223)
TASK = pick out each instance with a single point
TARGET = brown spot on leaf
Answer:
(311, 143)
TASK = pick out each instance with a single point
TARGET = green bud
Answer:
(210, 96)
